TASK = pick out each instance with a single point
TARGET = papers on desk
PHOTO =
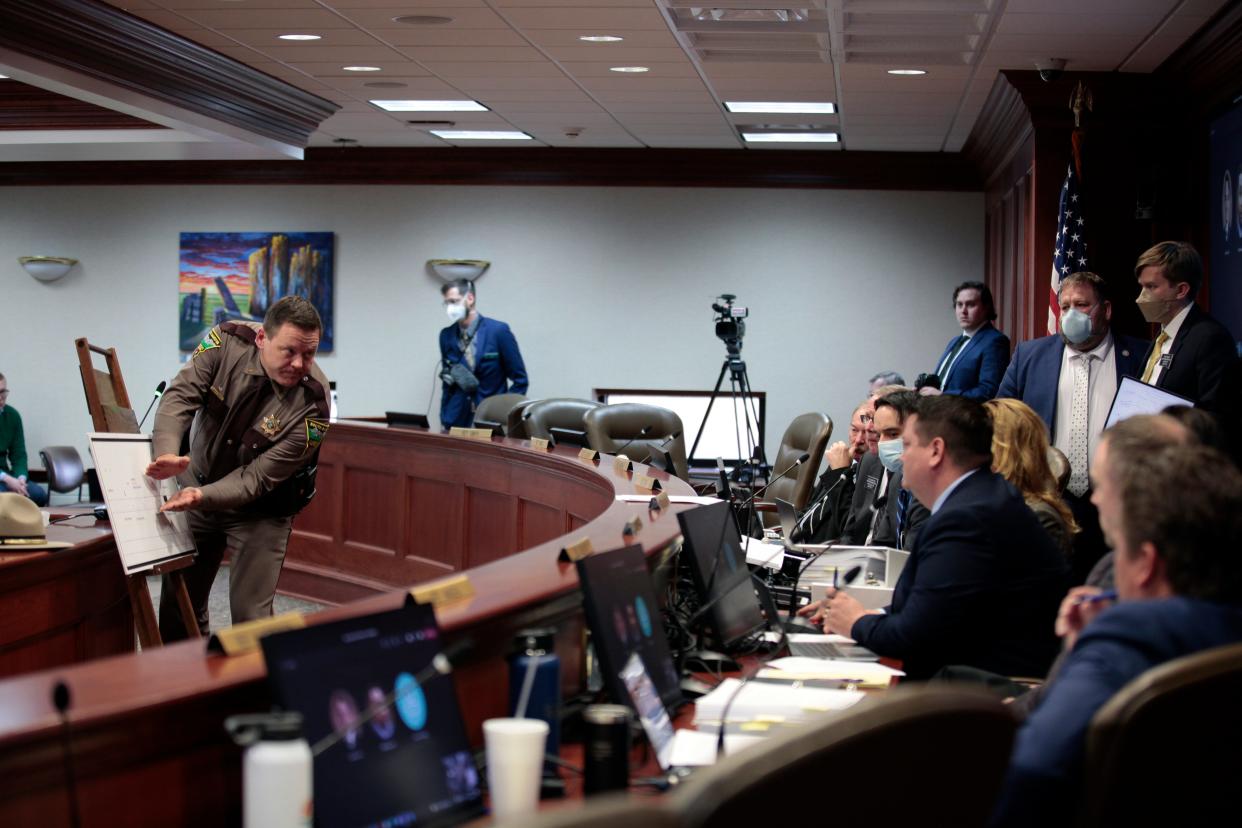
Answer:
(697, 500)
(764, 553)
(795, 668)
(696, 748)
(760, 707)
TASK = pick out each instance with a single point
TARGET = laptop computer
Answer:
(789, 522)
(718, 568)
(403, 419)
(412, 762)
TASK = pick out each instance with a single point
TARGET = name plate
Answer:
(622, 464)
(642, 481)
(445, 591)
(632, 526)
(576, 551)
(588, 454)
(481, 434)
(660, 502)
(244, 637)
(539, 444)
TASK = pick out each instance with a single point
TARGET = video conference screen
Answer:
(409, 765)
(624, 619)
(718, 567)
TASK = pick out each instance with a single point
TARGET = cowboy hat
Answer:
(21, 526)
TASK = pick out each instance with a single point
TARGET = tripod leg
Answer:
(710, 401)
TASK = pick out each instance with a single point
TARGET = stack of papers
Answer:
(794, 668)
(695, 748)
(770, 554)
(759, 707)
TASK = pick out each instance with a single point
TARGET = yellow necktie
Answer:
(1155, 355)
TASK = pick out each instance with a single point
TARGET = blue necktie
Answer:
(903, 506)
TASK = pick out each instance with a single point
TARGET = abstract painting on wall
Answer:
(228, 276)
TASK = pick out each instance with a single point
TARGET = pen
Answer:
(834, 578)
(1106, 595)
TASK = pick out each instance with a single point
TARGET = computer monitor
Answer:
(624, 618)
(411, 764)
(721, 577)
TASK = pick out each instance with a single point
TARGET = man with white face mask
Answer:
(1069, 379)
(1193, 355)
(479, 357)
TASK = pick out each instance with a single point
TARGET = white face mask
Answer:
(456, 311)
(890, 454)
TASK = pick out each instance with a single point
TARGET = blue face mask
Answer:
(1075, 326)
(890, 454)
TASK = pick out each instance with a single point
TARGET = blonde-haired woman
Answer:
(1020, 455)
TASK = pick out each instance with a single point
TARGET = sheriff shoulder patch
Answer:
(316, 430)
(211, 340)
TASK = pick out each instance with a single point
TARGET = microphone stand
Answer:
(749, 506)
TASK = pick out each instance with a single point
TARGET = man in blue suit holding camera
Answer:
(479, 357)
(974, 361)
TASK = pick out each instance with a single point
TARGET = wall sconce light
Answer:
(47, 268)
(450, 269)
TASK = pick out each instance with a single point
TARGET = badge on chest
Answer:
(270, 425)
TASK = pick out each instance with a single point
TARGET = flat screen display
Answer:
(718, 567)
(624, 619)
(410, 764)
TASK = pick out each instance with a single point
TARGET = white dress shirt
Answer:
(1102, 387)
(1170, 330)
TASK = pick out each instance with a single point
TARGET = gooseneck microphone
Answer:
(159, 392)
(643, 432)
(441, 665)
(60, 700)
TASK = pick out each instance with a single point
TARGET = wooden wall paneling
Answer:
(491, 526)
(435, 534)
(539, 523)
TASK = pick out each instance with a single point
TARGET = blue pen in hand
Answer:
(1106, 595)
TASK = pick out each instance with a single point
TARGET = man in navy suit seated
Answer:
(974, 361)
(1070, 379)
(479, 357)
(1174, 516)
(983, 581)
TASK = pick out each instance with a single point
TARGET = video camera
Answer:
(729, 325)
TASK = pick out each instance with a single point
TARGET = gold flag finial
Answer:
(1080, 100)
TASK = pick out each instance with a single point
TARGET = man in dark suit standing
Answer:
(983, 582)
(1193, 355)
(1070, 379)
(479, 357)
(974, 361)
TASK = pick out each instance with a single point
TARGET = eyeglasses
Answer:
(865, 418)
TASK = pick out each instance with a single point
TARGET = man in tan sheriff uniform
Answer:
(259, 407)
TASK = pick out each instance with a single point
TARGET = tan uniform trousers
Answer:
(256, 547)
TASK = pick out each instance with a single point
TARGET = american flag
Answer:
(1071, 248)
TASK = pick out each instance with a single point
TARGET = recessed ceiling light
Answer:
(601, 38)
(361, 68)
(430, 106)
(629, 69)
(385, 85)
(299, 37)
(791, 137)
(480, 135)
(907, 71)
(781, 106)
(422, 19)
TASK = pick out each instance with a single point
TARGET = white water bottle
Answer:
(276, 770)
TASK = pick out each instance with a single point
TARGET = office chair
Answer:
(496, 409)
(559, 412)
(1060, 465)
(516, 425)
(65, 471)
(1166, 746)
(916, 755)
(611, 427)
(807, 434)
(614, 810)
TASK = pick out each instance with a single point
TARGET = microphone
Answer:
(765, 486)
(643, 432)
(159, 392)
(60, 700)
(441, 665)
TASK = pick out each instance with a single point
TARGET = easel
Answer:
(108, 402)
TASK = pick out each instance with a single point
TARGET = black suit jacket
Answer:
(981, 588)
(1203, 362)
(858, 525)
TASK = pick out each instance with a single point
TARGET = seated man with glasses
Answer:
(13, 470)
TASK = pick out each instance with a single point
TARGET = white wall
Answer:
(603, 287)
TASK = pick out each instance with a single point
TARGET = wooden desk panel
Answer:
(147, 729)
